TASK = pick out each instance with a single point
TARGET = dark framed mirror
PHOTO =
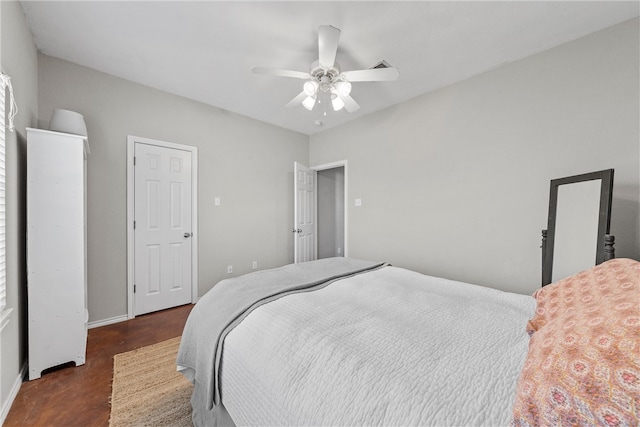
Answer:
(577, 235)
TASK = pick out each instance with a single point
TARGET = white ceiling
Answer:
(205, 50)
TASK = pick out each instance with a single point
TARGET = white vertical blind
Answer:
(3, 269)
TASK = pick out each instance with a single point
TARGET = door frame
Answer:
(334, 165)
(131, 141)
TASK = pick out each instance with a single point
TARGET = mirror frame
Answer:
(604, 218)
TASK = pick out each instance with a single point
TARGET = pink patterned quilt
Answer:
(583, 364)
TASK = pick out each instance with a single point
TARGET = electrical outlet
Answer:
(254, 265)
(216, 201)
(229, 269)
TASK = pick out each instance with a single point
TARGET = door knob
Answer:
(186, 235)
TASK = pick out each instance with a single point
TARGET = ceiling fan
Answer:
(325, 80)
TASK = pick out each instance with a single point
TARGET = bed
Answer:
(341, 341)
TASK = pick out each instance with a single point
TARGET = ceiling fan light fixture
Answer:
(310, 87)
(309, 102)
(343, 88)
(337, 103)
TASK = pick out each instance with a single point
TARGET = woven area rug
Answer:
(147, 390)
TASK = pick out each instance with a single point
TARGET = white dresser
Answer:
(56, 249)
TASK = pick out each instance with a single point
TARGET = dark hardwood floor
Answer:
(79, 396)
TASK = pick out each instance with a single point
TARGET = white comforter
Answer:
(389, 347)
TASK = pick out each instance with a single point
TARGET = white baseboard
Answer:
(106, 322)
(6, 405)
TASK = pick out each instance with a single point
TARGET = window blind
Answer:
(4, 82)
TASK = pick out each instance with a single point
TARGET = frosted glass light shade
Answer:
(309, 102)
(310, 87)
(68, 122)
(343, 88)
(337, 103)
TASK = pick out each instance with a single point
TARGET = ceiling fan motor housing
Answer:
(319, 71)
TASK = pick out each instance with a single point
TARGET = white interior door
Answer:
(163, 248)
(304, 215)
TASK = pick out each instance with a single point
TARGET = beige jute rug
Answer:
(147, 389)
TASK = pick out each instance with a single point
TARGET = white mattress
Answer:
(389, 347)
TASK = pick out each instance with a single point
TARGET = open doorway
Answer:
(331, 210)
(320, 211)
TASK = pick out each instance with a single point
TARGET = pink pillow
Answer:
(583, 364)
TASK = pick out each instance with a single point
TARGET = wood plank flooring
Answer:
(79, 396)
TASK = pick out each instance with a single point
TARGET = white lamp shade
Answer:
(337, 103)
(309, 102)
(343, 88)
(310, 87)
(68, 122)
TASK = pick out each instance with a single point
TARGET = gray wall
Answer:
(248, 164)
(330, 189)
(455, 183)
(20, 61)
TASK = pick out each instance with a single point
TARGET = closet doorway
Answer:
(320, 211)
(162, 221)
(331, 212)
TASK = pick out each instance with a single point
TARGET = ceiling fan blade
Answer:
(281, 73)
(297, 100)
(372, 75)
(328, 37)
(350, 104)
